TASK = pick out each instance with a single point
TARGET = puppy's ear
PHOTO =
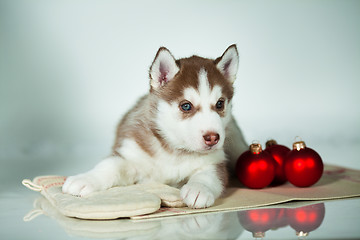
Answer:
(228, 63)
(163, 69)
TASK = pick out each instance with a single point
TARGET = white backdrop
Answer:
(70, 69)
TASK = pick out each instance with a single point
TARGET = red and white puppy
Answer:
(182, 133)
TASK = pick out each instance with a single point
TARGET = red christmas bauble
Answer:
(258, 221)
(255, 168)
(303, 166)
(306, 219)
(278, 152)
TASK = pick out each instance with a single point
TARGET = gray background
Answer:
(70, 69)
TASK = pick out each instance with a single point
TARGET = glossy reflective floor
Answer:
(27, 215)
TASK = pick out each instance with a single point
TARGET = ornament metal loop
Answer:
(270, 143)
(259, 235)
(302, 234)
(256, 148)
(299, 145)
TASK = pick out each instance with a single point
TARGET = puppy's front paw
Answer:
(197, 195)
(81, 185)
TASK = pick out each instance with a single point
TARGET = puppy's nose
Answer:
(211, 138)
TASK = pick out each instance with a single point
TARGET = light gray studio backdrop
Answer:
(70, 69)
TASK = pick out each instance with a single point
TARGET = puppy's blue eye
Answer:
(220, 104)
(186, 107)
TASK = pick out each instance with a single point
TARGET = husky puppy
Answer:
(182, 133)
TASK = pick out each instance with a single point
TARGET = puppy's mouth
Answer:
(203, 150)
(208, 149)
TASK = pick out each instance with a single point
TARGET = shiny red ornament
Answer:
(278, 152)
(258, 221)
(255, 168)
(303, 165)
(306, 219)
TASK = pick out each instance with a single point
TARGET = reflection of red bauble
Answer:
(255, 168)
(278, 152)
(303, 166)
(258, 221)
(281, 219)
(306, 219)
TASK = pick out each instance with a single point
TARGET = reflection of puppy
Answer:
(218, 225)
(180, 134)
(98, 229)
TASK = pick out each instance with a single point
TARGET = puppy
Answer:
(182, 133)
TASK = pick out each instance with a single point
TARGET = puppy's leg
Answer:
(203, 188)
(111, 171)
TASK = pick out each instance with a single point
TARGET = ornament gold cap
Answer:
(270, 143)
(299, 145)
(258, 235)
(256, 148)
(302, 234)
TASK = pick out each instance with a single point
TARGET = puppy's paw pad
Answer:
(196, 195)
(80, 185)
